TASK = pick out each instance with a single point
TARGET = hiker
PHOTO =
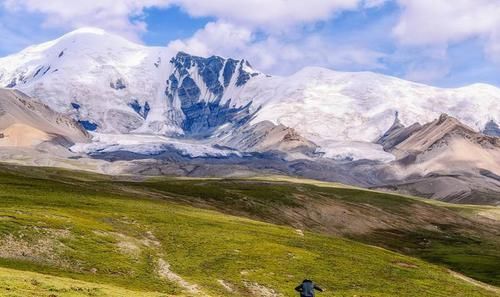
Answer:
(306, 288)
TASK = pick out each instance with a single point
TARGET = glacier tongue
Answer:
(150, 145)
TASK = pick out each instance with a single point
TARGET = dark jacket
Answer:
(306, 288)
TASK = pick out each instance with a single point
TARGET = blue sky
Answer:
(438, 42)
(165, 25)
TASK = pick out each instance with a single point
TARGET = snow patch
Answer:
(354, 150)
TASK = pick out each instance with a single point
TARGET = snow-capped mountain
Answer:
(104, 81)
(112, 85)
(152, 111)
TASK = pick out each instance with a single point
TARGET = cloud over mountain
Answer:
(439, 42)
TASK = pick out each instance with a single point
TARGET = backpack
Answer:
(307, 289)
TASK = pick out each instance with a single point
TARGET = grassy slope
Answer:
(437, 232)
(15, 283)
(99, 231)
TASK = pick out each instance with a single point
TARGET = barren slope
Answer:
(26, 122)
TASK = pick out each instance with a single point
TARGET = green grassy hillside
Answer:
(147, 236)
(16, 283)
(451, 235)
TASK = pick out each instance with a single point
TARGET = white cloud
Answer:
(264, 13)
(219, 37)
(374, 3)
(284, 48)
(434, 22)
(124, 16)
(274, 54)
(276, 35)
(119, 16)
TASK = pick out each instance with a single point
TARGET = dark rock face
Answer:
(189, 93)
(209, 71)
(47, 70)
(142, 110)
(75, 105)
(12, 83)
(88, 125)
(203, 110)
(172, 86)
(492, 129)
(38, 71)
(396, 126)
(158, 62)
(208, 68)
(229, 69)
(396, 134)
(244, 76)
(118, 85)
(203, 118)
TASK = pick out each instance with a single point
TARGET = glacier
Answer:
(144, 144)
(115, 87)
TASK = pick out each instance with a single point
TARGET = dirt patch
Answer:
(52, 233)
(406, 265)
(227, 286)
(260, 290)
(150, 240)
(129, 248)
(46, 249)
(165, 272)
(126, 245)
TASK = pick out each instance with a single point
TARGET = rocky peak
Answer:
(396, 134)
(442, 118)
(199, 85)
(438, 133)
(216, 73)
(445, 119)
(492, 129)
(396, 125)
(446, 124)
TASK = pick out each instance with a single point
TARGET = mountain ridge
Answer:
(142, 80)
(146, 106)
